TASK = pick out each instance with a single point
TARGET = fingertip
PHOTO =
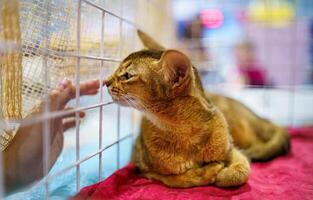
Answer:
(82, 114)
(66, 82)
(93, 92)
(90, 87)
(95, 81)
(104, 82)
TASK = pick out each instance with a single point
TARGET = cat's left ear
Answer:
(176, 67)
(148, 42)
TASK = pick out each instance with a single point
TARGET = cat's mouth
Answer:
(124, 100)
(119, 99)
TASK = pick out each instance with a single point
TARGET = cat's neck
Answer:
(182, 114)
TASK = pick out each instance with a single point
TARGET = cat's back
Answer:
(231, 107)
(245, 126)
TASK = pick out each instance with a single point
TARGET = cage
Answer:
(44, 42)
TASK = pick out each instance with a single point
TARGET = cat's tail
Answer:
(279, 144)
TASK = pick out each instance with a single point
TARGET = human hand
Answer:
(23, 158)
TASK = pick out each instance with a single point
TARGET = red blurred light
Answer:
(212, 18)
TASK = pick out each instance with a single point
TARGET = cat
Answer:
(189, 137)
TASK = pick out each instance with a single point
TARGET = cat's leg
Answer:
(137, 156)
(265, 150)
(236, 172)
(204, 175)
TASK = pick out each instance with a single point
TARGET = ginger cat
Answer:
(189, 137)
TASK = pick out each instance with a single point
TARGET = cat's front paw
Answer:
(210, 171)
(182, 167)
(179, 167)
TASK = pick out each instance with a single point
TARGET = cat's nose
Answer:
(107, 82)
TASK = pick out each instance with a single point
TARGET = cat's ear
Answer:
(176, 67)
(148, 42)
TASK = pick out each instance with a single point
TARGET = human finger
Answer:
(73, 114)
(67, 90)
(68, 123)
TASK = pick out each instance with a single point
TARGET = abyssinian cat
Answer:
(189, 137)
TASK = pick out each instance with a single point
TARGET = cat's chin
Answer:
(121, 102)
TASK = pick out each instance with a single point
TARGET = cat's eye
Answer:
(126, 76)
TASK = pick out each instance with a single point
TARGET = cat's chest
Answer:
(169, 155)
(168, 142)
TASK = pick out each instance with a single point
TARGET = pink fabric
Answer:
(288, 177)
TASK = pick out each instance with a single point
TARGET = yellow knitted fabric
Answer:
(11, 60)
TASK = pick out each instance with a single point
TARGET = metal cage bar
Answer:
(292, 78)
(120, 17)
(101, 95)
(118, 107)
(1, 176)
(46, 125)
(77, 79)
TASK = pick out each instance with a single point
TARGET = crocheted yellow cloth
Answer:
(11, 61)
(10, 67)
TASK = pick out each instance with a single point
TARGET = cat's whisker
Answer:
(124, 99)
(128, 101)
(131, 101)
(139, 103)
(146, 108)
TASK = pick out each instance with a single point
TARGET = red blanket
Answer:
(287, 177)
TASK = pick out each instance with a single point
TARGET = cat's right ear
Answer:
(176, 68)
(148, 42)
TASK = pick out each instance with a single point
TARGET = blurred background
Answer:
(257, 42)
(257, 51)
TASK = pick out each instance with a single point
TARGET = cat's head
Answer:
(150, 76)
